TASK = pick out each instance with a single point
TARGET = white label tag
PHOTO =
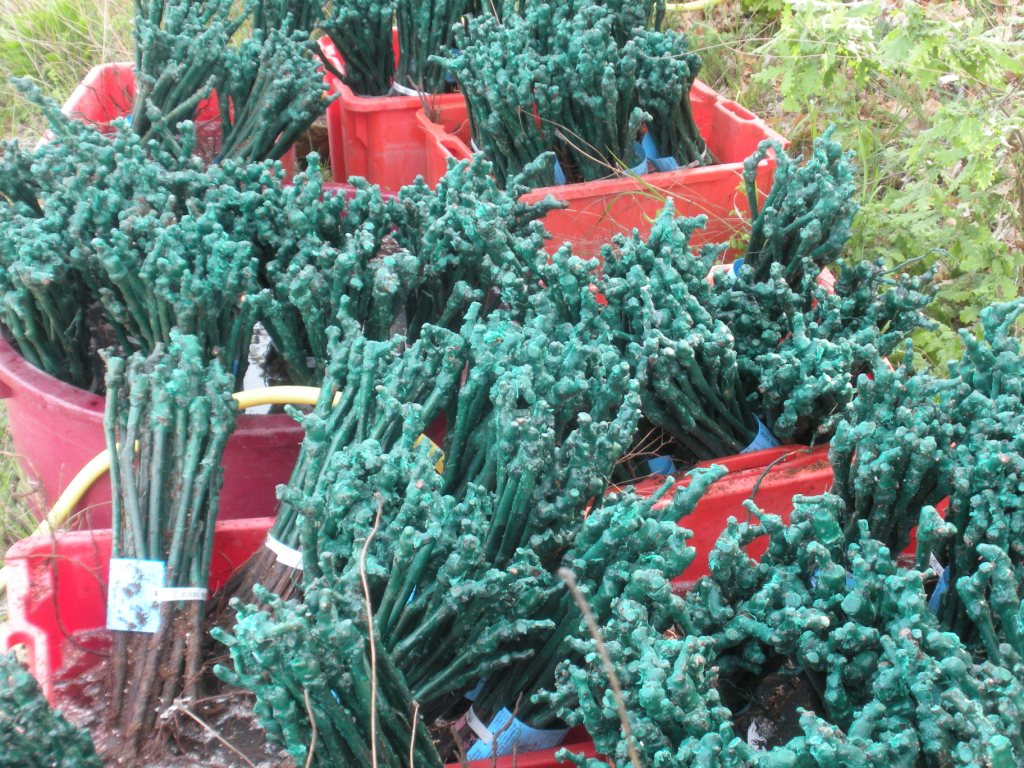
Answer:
(934, 564)
(402, 90)
(131, 594)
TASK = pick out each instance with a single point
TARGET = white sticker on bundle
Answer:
(135, 591)
(132, 603)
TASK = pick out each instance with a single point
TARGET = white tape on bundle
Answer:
(287, 556)
(478, 727)
(512, 736)
(402, 90)
(182, 594)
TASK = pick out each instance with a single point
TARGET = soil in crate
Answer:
(220, 730)
(83, 695)
(771, 717)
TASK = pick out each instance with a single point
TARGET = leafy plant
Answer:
(925, 95)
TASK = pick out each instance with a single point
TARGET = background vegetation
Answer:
(55, 42)
(929, 96)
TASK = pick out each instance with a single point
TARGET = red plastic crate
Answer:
(377, 137)
(57, 592)
(599, 209)
(771, 478)
(108, 92)
(56, 589)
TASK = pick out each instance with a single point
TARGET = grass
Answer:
(16, 518)
(54, 43)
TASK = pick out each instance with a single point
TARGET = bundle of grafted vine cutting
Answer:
(179, 48)
(371, 388)
(31, 734)
(580, 80)
(271, 92)
(168, 417)
(474, 242)
(126, 243)
(258, 57)
(800, 344)
(666, 72)
(625, 545)
(361, 33)
(442, 616)
(976, 543)
(424, 30)
(659, 290)
(804, 382)
(843, 619)
(991, 365)
(975, 547)
(744, 362)
(893, 452)
(117, 249)
(396, 265)
(654, 294)
(804, 222)
(746, 349)
(502, 113)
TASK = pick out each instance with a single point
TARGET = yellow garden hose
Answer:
(100, 463)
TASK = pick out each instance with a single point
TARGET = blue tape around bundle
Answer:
(655, 158)
(763, 439)
(506, 735)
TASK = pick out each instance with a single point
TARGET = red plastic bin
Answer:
(57, 428)
(108, 92)
(770, 477)
(377, 137)
(599, 209)
(57, 592)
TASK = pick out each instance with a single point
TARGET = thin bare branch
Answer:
(595, 631)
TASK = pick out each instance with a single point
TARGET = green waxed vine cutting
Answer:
(167, 421)
(31, 734)
(580, 80)
(361, 32)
